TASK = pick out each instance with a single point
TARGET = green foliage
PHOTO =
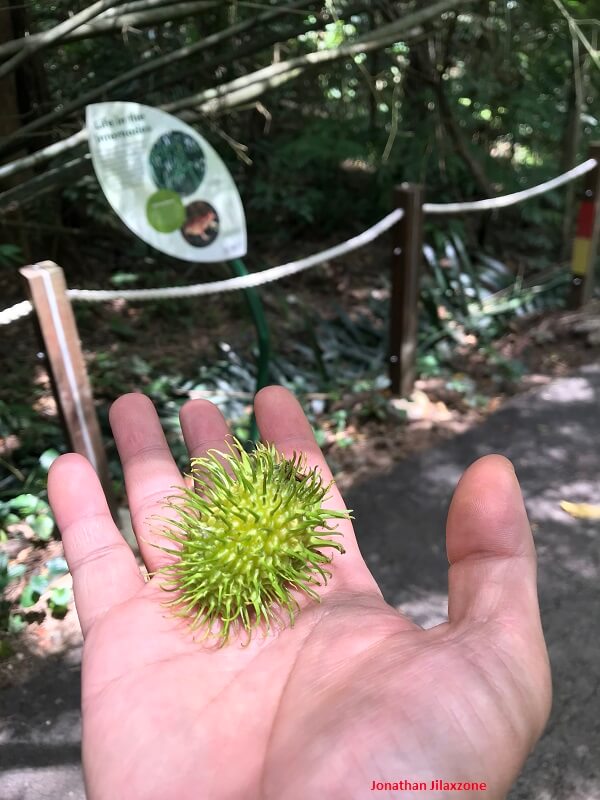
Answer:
(35, 434)
(14, 612)
(59, 600)
(30, 509)
(10, 255)
(9, 572)
(490, 88)
(23, 503)
(479, 294)
(59, 597)
(9, 621)
(315, 179)
(33, 591)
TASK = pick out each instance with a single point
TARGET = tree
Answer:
(459, 94)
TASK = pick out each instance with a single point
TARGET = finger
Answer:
(204, 428)
(151, 475)
(282, 422)
(103, 567)
(490, 547)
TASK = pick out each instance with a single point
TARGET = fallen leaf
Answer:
(581, 510)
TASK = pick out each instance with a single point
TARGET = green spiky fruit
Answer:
(251, 533)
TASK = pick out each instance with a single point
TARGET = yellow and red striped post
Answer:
(587, 232)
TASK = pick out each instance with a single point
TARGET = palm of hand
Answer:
(353, 693)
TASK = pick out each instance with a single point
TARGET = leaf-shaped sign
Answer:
(166, 182)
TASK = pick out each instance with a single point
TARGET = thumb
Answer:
(493, 569)
(492, 583)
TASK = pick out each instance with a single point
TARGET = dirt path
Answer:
(551, 434)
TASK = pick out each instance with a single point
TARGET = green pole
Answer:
(262, 334)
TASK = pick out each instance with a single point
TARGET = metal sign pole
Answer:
(262, 334)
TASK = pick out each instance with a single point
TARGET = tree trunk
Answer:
(10, 118)
(460, 142)
(10, 122)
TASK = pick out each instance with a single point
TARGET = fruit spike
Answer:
(250, 533)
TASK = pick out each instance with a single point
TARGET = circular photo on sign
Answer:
(201, 226)
(165, 211)
(177, 162)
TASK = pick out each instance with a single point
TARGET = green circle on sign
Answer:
(165, 211)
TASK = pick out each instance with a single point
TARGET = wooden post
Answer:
(46, 287)
(406, 272)
(585, 243)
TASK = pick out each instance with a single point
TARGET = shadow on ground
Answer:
(551, 435)
(40, 734)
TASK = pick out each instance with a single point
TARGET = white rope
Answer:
(244, 281)
(24, 308)
(18, 311)
(511, 199)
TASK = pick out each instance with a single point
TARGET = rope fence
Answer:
(18, 311)
(24, 308)
(245, 281)
(516, 197)
(60, 342)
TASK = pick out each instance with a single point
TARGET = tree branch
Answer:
(573, 25)
(105, 23)
(250, 47)
(249, 87)
(210, 99)
(54, 178)
(44, 155)
(460, 144)
(16, 141)
(58, 32)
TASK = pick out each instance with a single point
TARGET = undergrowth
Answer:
(330, 359)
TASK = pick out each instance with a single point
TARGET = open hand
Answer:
(353, 693)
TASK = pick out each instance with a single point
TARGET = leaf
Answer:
(16, 623)
(59, 599)
(4, 578)
(16, 571)
(140, 367)
(5, 649)
(320, 436)
(43, 528)
(581, 510)
(61, 595)
(32, 592)
(123, 278)
(57, 566)
(47, 457)
(24, 504)
(122, 329)
(10, 254)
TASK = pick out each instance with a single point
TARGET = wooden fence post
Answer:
(406, 272)
(46, 287)
(585, 243)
